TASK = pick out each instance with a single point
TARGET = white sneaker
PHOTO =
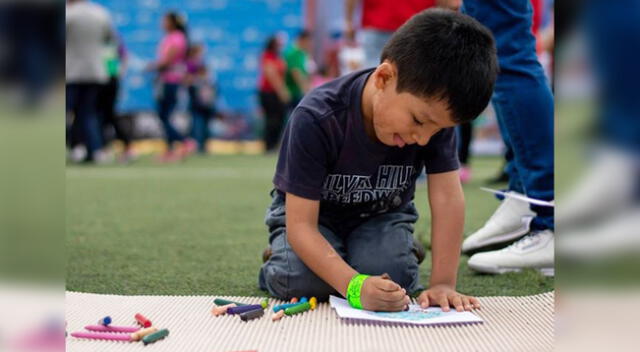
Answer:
(605, 188)
(612, 237)
(509, 222)
(535, 250)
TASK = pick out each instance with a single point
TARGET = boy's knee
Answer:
(300, 282)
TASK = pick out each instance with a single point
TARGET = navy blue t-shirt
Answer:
(326, 155)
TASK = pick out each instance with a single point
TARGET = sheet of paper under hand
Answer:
(415, 314)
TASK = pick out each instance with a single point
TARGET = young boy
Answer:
(349, 159)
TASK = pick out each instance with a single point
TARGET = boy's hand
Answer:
(444, 296)
(380, 293)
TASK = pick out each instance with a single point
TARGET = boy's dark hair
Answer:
(272, 44)
(446, 55)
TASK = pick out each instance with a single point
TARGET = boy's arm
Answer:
(446, 201)
(316, 252)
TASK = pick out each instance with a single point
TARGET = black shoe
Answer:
(266, 254)
(418, 250)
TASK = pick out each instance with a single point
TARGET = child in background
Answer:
(201, 96)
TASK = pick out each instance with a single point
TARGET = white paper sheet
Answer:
(415, 314)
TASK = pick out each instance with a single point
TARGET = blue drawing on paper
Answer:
(411, 315)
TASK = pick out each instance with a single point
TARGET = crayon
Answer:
(252, 314)
(142, 320)
(242, 309)
(219, 310)
(302, 307)
(160, 334)
(224, 302)
(101, 336)
(278, 315)
(111, 328)
(136, 336)
(284, 306)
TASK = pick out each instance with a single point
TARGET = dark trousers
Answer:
(274, 111)
(106, 108)
(81, 102)
(380, 244)
(166, 105)
(200, 114)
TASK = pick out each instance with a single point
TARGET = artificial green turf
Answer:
(197, 228)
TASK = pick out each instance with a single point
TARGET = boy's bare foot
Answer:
(266, 254)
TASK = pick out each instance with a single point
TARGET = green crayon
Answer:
(160, 334)
(302, 307)
(224, 302)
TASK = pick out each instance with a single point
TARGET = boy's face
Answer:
(403, 118)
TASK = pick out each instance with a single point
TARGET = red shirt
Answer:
(274, 59)
(388, 15)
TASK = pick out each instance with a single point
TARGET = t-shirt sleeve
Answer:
(441, 154)
(302, 162)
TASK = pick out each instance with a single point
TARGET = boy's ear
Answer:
(385, 74)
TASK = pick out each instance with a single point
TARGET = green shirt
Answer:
(111, 60)
(295, 58)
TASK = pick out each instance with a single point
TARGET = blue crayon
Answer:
(105, 321)
(285, 306)
(242, 309)
(303, 299)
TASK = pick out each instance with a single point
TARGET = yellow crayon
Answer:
(136, 336)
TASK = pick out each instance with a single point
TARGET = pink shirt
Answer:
(177, 41)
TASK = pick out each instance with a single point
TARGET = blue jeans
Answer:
(522, 99)
(166, 104)
(614, 41)
(380, 244)
(81, 100)
(200, 113)
(373, 41)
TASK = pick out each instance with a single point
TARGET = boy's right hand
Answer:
(380, 293)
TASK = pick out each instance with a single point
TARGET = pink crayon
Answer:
(110, 328)
(101, 336)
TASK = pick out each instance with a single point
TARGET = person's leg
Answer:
(166, 105)
(283, 274)
(88, 118)
(523, 97)
(515, 183)
(198, 119)
(384, 244)
(71, 102)
(110, 111)
(273, 118)
(373, 41)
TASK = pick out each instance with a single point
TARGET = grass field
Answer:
(197, 228)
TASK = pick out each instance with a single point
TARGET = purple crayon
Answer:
(242, 309)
